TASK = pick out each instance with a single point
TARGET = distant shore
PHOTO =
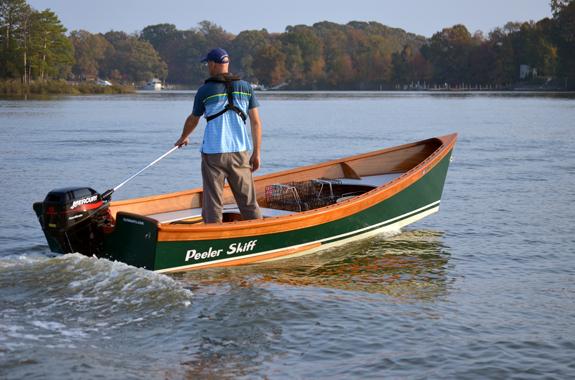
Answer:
(14, 88)
(60, 87)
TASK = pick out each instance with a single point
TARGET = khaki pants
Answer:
(236, 168)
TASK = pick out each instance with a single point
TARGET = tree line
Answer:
(34, 46)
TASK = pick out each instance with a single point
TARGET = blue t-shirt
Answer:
(226, 133)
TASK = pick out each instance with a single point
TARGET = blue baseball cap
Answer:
(217, 55)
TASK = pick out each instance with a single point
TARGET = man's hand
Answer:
(255, 161)
(182, 142)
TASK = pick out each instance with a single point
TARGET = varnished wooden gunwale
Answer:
(307, 218)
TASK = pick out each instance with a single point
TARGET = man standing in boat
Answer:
(227, 102)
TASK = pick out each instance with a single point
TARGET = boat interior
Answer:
(293, 191)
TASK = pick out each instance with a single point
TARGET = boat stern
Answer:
(133, 240)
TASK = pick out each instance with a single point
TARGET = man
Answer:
(226, 101)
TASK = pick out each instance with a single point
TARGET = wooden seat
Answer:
(372, 180)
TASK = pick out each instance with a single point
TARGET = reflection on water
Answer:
(410, 265)
(248, 319)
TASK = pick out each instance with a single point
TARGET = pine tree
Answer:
(14, 19)
(51, 52)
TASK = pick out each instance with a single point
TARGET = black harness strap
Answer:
(227, 81)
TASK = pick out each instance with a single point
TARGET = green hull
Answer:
(135, 238)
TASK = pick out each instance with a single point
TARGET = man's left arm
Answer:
(256, 125)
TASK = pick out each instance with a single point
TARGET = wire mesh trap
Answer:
(301, 196)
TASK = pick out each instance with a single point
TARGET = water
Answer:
(483, 289)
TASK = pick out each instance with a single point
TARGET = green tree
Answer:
(534, 49)
(160, 36)
(400, 65)
(51, 53)
(564, 17)
(482, 64)
(294, 64)
(14, 26)
(410, 66)
(245, 50)
(214, 34)
(449, 51)
(169, 42)
(505, 68)
(33, 44)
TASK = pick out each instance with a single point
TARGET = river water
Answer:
(483, 289)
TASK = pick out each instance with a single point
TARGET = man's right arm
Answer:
(189, 126)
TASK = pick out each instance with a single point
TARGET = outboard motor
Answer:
(73, 220)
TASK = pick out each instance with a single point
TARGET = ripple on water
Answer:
(72, 298)
(490, 297)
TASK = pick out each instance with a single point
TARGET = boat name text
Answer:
(233, 248)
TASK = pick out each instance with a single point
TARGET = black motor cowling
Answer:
(73, 220)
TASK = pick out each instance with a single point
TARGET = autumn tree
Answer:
(311, 49)
(90, 52)
(132, 59)
(339, 68)
(270, 66)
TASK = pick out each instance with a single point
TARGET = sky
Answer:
(423, 17)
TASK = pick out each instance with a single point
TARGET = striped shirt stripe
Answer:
(224, 94)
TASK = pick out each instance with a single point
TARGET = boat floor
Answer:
(191, 213)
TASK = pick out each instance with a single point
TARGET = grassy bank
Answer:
(60, 87)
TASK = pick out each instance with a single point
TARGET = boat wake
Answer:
(72, 297)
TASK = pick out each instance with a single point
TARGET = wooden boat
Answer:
(306, 209)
